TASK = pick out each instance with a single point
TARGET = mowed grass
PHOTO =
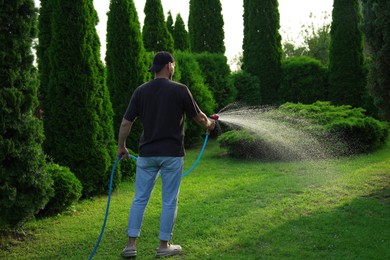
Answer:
(233, 209)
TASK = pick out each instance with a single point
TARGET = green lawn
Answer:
(232, 209)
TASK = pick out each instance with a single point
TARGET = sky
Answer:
(293, 15)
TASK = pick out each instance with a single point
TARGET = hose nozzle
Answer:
(215, 117)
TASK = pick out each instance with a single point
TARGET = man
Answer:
(160, 104)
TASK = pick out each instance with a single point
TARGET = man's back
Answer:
(160, 104)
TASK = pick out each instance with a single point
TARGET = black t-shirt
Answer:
(160, 104)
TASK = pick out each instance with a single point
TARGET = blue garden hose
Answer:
(110, 189)
(199, 156)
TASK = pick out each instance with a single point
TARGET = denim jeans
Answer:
(170, 169)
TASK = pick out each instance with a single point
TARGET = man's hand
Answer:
(211, 125)
(123, 153)
(124, 131)
(204, 121)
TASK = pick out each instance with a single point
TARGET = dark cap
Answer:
(161, 59)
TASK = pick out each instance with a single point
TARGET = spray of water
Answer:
(282, 137)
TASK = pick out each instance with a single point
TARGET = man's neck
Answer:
(162, 76)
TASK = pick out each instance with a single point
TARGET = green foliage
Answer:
(67, 189)
(245, 145)
(180, 35)
(216, 71)
(304, 79)
(346, 71)
(125, 60)
(315, 42)
(169, 22)
(149, 59)
(338, 131)
(25, 187)
(377, 35)
(44, 36)
(78, 112)
(262, 50)
(247, 88)
(156, 36)
(205, 26)
(189, 73)
(360, 133)
(291, 50)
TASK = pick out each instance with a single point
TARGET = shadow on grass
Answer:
(356, 230)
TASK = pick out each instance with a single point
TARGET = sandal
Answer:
(129, 251)
(169, 251)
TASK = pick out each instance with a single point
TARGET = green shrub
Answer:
(247, 88)
(311, 131)
(243, 144)
(67, 189)
(304, 79)
(359, 132)
(189, 73)
(216, 71)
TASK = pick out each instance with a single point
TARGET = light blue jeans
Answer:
(170, 169)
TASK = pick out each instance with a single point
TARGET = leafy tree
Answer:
(291, 50)
(180, 35)
(156, 36)
(205, 25)
(262, 50)
(346, 71)
(377, 33)
(316, 42)
(125, 60)
(237, 62)
(78, 113)
(25, 186)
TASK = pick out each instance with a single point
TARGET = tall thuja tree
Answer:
(205, 26)
(262, 48)
(155, 34)
(180, 35)
(24, 187)
(78, 115)
(170, 23)
(346, 72)
(377, 34)
(125, 61)
(106, 143)
(245, 40)
(44, 36)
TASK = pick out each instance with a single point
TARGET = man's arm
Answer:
(204, 121)
(124, 132)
